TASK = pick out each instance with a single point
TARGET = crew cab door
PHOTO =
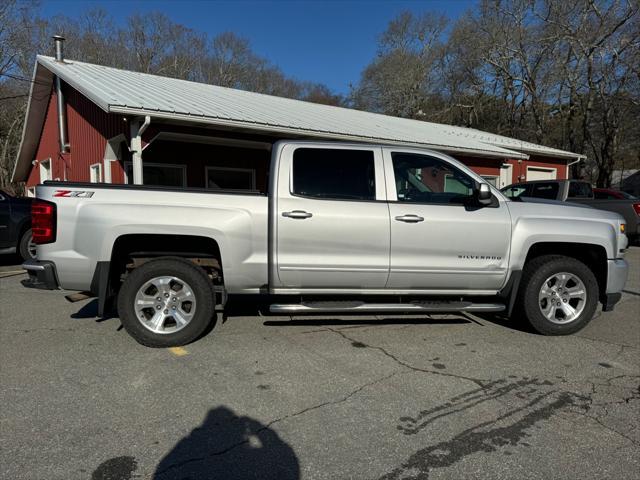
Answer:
(440, 238)
(331, 219)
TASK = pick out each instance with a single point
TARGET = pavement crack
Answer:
(267, 426)
(356, 343)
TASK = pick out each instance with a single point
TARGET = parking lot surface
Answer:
(443, 396)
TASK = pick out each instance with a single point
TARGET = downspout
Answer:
(580, 158)
(137, 130)
(62, 113)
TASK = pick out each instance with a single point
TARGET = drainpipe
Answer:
(137, 129)
(580, 158)
(62, 114)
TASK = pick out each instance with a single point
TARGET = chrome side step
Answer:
(361, 307)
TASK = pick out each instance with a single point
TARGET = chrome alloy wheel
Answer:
(562, 297)
(165, 304)
(31, 247)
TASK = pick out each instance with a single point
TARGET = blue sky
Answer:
(323, 41)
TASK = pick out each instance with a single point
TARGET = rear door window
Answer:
(544, 190)
(334, 174)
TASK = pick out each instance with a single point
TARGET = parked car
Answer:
(611, 194)
(577, 191)
(344, 228)
(15, 226)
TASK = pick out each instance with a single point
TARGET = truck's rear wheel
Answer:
(26, 247)
(559, 294)
(166, 302)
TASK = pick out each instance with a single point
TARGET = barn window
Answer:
(95, 173)
(159, 174)
(227, 178)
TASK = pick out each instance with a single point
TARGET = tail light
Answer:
(43, 221)
(636, 207)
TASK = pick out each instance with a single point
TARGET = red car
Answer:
(609, 194)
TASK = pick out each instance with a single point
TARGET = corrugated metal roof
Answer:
(122, 91)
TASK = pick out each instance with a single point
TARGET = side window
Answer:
(334, 174)
(423, 179)
(515, 191)
(545, 190)
(579, 190)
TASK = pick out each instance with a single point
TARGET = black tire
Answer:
(186, 271)
(23, 245)
(535, 273)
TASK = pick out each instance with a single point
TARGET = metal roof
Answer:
(134, 93)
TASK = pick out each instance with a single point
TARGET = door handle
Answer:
(297, 214)
(410, 218)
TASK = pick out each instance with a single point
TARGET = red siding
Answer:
(88, 128)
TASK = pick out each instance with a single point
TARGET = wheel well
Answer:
(593, 256)
(131, 251)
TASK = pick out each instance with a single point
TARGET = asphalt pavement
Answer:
(416, 397)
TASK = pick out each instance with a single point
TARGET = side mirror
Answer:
(483, 194)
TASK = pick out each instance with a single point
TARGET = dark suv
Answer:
(15, 226)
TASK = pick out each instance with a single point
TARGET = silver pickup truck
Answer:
(343, 228)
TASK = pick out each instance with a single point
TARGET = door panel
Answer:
(455, 246)
(324, 242)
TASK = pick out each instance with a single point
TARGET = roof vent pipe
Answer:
(62, 111)
(59, 41)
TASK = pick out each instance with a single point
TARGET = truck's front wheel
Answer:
(559, 294)
(166, 302)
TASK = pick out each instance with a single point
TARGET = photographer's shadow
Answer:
(229, 447)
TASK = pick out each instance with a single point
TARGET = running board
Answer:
(413, 307)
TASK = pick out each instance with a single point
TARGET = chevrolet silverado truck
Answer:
(578, 191)
(341, 228)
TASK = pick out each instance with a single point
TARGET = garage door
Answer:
(541, 173)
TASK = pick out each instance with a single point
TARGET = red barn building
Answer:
(93, 123)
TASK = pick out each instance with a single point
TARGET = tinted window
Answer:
(579, 190)
(334, 174)
(603, 196)
(515, 191)
(422, 179)
(544, 190)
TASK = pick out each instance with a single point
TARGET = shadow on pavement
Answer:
(90, 310)
(513, 323)
(230, 447)
(368, 321)
(10, 260)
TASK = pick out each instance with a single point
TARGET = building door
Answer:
(506, 175)
(332, 223)
(540, 173)
(440, 239)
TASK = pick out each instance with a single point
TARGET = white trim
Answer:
(31, 192)
(112, 154)
(506, 174)
(91, 170)
(230, 169)
(45, 171)
(182, 167)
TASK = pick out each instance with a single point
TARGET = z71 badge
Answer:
(73, 193)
